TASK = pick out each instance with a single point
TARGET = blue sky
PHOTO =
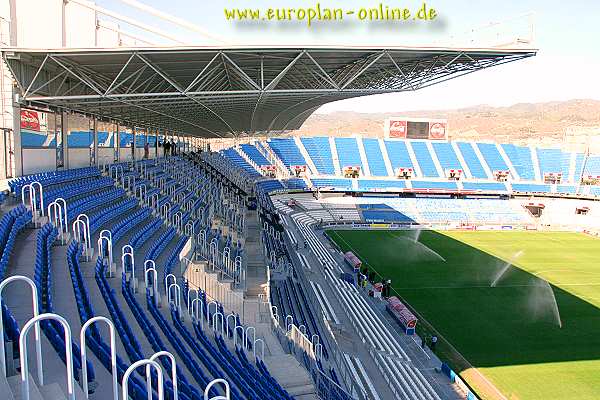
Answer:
(567, 35)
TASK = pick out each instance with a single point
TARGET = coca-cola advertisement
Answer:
(30, 120)
(397, 128)
(437, 130)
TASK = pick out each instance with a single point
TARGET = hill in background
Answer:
(523, 123)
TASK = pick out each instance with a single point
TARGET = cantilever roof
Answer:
(208, 92)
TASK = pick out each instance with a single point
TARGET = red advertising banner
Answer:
(397, 128)
(30, 120)
(437, 130)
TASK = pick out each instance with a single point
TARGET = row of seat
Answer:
(11, 224)
(50, 178)
(43, 272)
(465, 156)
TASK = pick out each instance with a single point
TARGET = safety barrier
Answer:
(113, 354)
(68, 356)
(35, 307)
(57, 215)
(81, 234)
(35, 192)
(198, 278)
(105, 250)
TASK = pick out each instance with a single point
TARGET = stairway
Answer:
(511, 168)
(572, 166)
(413, 160)
(386, 158)
(436, 161)
(334, 156)
(312, 169)
(536, 163)
(484, 164)
(465, 167)
(363, 156)
(256, 270)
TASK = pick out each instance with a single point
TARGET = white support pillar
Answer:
(133, 132)
(18, 150)
(117, 138)
(156, 143)
(94, 148)
(64, 141)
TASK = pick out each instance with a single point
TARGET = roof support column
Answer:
(94, 148)
(133, 132)
(156, 143)
(64, 140)
(18, 150)
(117, 137)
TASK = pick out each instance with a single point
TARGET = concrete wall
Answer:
(38, 160)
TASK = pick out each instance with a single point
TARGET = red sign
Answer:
(30, 120)
(437, 130)
(397, 128)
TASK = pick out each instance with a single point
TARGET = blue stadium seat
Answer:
(319, 150)
(348, 155)
(520, 158)
(374, 157)
(492, 157)
(424, 159)
(473, 163)
(398, 154)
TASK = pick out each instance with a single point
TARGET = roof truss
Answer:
(209, 92)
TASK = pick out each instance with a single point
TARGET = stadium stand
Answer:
(493, 158)
(320, 152)
(446, 155)
(193, 210)
(254, 154)
(398, 154)
(520, 158)
(287, 151)
(374, 157)
(424, 159)
(470, 157)
(347, 150)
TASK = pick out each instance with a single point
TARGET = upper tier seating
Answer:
(319, 150)
(254, 154)
(424, 159)
(348, 154)
(554, 161)
(492, 157)
(287, 151)
(520, 158)
(473, 163)
(374, 157)
(592, 166)
(239, 161)
(398, 154)
(446, 155)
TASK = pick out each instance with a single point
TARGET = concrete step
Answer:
(289, 373)
(52, 392)
(5, 389)
(15, 385)
(301, 390)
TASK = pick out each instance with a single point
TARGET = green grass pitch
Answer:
(510, 332)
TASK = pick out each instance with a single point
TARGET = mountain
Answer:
(523, 123)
